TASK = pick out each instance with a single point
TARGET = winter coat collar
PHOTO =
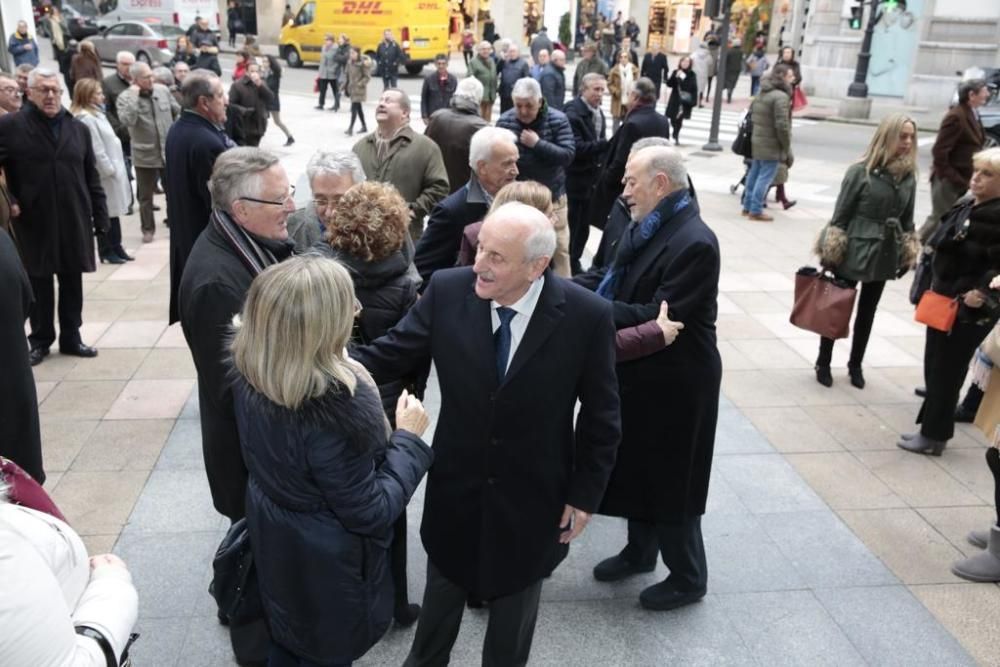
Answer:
(769, 84)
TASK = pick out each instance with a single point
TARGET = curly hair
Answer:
(371, 222)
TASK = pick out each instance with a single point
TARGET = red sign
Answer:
(362, 7)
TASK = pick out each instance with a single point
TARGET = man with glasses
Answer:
(331, 174)
(48, 160)
(251, 201)
(194, 141)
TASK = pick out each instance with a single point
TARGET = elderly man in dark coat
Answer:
(247, 232)
(589, 135)
(670, 399)
(493, 158)
(194, 141)
(48, 158)
(20, 438)
(640, 122)
(452, 129)
(516, 472)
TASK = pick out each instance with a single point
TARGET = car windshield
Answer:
(84, 9)
(168, 31)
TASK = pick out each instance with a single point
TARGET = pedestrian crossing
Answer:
(695, 130)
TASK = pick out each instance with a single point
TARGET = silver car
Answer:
(151, 43)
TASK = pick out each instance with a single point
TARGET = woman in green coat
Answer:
(870, 238)
(484, 70)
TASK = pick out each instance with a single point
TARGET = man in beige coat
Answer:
(148, 110)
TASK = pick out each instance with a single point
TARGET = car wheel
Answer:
(414, 70)
(292, 57)
(143, 57)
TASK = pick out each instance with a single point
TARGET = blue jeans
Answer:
(389, 81)
(762, 172)
(754, 86)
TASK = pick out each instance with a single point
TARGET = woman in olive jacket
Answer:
(870, 238)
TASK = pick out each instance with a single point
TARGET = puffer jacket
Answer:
(969, 258)
(386, 289)
(357, 75)
(326, 483)
(772, 121)
(328, 63)
(870, 236)
(547, 160)
(148, 118)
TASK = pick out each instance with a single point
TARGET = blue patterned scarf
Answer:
(636, 237)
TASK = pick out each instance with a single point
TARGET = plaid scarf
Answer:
(254, 256)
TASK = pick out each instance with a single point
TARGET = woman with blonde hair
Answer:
(88, 108)
(870, 238)
(368, 233)
(327, 475)
(620, 81)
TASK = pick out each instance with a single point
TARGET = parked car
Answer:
(150, 42)
(81, 20)
(166, 12)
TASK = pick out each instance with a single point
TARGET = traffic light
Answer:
(855, 19)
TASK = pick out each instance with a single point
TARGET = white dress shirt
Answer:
(524, 307)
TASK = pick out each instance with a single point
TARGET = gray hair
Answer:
(163, 75)
(124, 57)
(199, 83)
(237, 173)
(541, 239)
(470, 88)
(41, 73)
(483, 45)
(137, 68)
(969, 88)
(482, 142)
(590, 78)
(526, 89)
(646, 142)
(404, 99)
(24, 68)
(340, 163)
(645, 90)
(667, 161)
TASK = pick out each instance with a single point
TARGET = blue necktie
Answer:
(501, 340)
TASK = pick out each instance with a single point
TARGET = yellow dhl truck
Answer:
(420, 27)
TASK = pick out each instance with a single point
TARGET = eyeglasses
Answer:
(9, 89)
(46, 91)
(322, 202)
(281, 202)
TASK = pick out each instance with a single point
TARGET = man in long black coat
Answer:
(20, 438)
(587, 121)
(655, 67)
(194, 141)
(48, 158)
(670, 399)
(514, 479)
(641, 121)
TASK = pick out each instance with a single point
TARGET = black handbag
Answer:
(743, 143)
(234, 584)
(924, 273)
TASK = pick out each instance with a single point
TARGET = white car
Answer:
(151, 43)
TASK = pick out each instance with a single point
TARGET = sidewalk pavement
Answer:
(826, 544)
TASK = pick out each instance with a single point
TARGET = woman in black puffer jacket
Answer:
(368, 233)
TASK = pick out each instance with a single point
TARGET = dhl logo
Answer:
(362, 7)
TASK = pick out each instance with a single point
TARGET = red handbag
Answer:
(937, 311)
(823, 304)
(799, 99)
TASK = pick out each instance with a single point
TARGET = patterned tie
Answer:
(501, 340)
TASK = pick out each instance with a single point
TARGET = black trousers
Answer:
(332, 83)
(508, 634)
(946, 362)
(110, 241)
(680, 545)
(506, 102)
(42, 313)
(864, 318)
(359, 113)
(397, 562)
(579, 230)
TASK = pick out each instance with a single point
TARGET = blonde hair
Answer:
(289, 340)
(989, 157)
(371, 221)
(532, 193)
(83, 95)
(882, 147)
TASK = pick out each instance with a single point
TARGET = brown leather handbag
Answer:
(937, 311)
(823, 303)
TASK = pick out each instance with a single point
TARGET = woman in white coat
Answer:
(88, 107)
(59, 607)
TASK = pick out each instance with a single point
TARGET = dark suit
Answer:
(641, 122)
(655, 69)
(439, 244)
(507, 455)
(660, 481)
(582, 173)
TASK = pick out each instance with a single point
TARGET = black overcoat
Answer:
(670, 399)
(213, 289)
(688, 84)
(56, 184)
(641, 122)
(442, 239)
(591, 148)
(506, 457)
(20, 439)
(193, 143)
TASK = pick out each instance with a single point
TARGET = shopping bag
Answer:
(823, 303)
(799, 99)
(937, 311)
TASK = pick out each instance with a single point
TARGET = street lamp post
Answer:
(859, 87)
(713, 144)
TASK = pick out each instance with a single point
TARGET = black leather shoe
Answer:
(78, 350)
(663, 597)
(406, 616)
(824, 376)
(120, 251)
(112, 258)
(857, 377)
(618, 567)
(37, 354)
(920, 391)
(156, 208)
